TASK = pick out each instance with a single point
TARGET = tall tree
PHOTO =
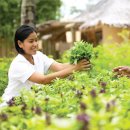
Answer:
(28, 12)
(9, 20)
(9, 17)
(10, 14)
(47, 10)
(42, 10)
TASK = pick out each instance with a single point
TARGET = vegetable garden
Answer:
(87, 100)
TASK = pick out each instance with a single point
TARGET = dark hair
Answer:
(21, 34)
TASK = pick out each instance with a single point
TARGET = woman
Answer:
(30, 66)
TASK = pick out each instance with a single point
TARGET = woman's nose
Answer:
(35, 43)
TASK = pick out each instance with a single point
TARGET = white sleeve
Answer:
(47, 63)
(21, 72)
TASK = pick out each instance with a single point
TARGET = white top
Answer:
(21, 69)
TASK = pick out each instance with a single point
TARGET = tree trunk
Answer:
(28, 12)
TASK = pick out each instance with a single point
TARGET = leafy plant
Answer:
(81, 50)
(81, 101)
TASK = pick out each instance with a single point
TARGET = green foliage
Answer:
(82, 101)
(111, 55)
(9, 17)
(47, 10)
(125, 35)
(4, 65)
(10, 12)
(81, 50)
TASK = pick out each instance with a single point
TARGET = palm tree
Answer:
(28, 12)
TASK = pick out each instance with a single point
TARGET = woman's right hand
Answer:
(82, 65)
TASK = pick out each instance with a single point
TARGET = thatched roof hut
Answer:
(54, 29)
(107, 17)
(101, 22)
(111, 12)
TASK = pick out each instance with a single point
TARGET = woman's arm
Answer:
(56, 66)
(44, 79)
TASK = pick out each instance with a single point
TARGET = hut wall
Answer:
(110, 34)
(63, 46)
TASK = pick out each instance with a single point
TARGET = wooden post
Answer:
(73, 36)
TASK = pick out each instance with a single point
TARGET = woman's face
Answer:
(30, 44)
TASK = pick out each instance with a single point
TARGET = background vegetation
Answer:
(83, 101)
(10, 15)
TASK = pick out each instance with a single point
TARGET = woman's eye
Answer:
(31, 41)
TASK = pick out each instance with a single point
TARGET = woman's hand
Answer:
(82, 65)
(122, 71)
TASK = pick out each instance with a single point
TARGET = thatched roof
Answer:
(54, 29)
(111, 12)
(49, 26)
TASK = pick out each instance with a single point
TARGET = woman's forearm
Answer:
(44, 79)
(60, 74)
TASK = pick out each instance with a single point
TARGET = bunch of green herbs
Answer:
(81, 50)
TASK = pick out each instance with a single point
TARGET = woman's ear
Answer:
(20, 44)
